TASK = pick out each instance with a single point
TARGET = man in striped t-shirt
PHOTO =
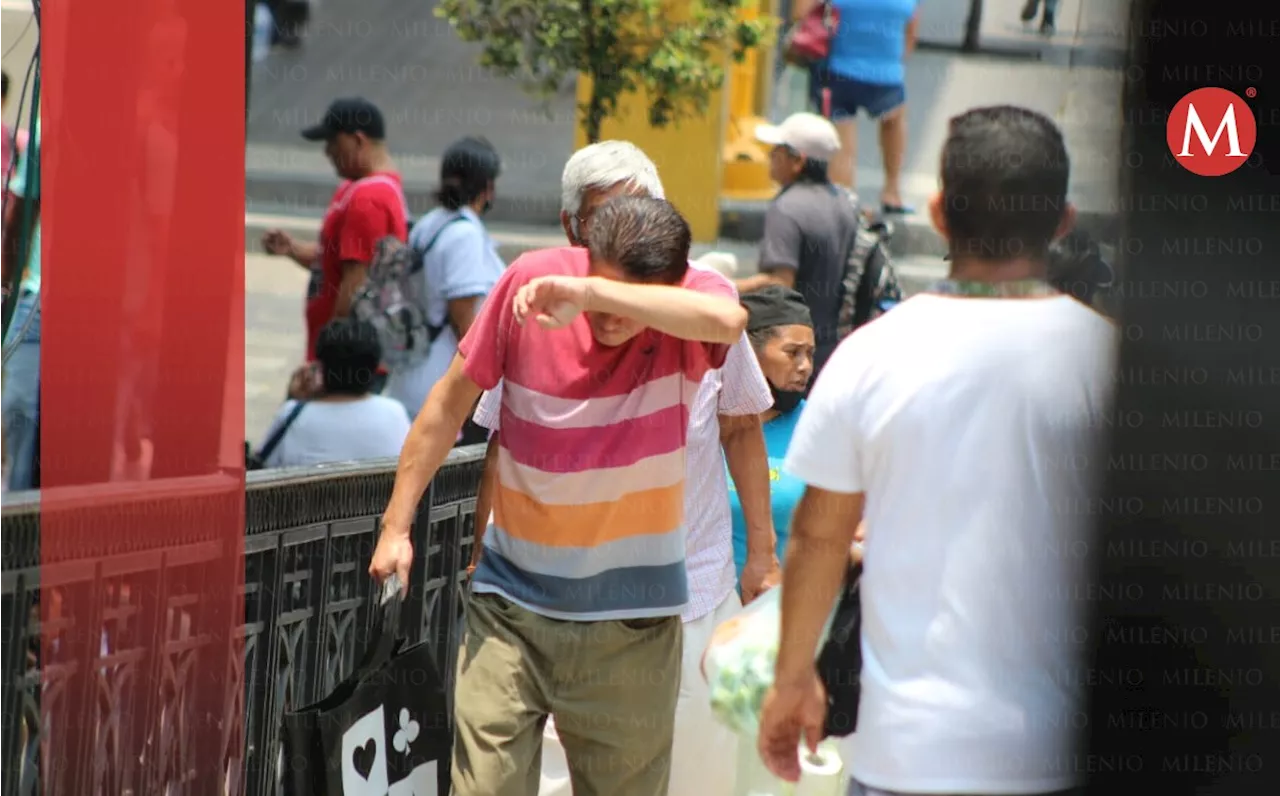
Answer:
(576, 604)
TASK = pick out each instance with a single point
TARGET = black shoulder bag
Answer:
(840, 661)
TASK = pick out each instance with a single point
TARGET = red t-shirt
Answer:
(361, 213)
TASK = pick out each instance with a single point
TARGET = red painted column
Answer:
(142, 377)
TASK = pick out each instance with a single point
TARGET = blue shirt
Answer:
(463, 263)
(784, 489)
(871, 40)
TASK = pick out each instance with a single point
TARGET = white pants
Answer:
(704, 754)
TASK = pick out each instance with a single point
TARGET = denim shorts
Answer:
(848, 96)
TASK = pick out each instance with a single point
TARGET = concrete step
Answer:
(305, 195)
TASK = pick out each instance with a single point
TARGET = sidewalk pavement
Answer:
(427, 82)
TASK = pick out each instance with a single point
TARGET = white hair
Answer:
(601, 166)
(723, 263)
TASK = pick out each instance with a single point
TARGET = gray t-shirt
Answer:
(809, 228)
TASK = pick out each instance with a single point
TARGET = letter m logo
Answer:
(1207, 144)
(1234, 132)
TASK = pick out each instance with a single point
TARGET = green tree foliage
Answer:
(622, 45)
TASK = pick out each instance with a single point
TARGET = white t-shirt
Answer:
(463, 263)
(372, 427)
(968, 423)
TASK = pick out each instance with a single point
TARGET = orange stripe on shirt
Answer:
(651, 511)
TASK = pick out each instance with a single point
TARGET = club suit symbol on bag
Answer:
(364, 756)
(407, 734)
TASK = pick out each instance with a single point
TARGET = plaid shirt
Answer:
(739, 388)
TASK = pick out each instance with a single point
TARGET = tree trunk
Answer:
(595, 114)
(972, 26)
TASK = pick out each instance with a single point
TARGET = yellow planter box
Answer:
(702, 160)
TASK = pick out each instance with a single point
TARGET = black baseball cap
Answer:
(348, 115)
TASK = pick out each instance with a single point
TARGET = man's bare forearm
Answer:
(305, 254)
(816, 562)
(430, 439)
(682, 313)
(353, 277)
(748, 460)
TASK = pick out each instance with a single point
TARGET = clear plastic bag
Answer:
(738, 663)
(739, 660)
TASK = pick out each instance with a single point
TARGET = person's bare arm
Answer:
(817, 559)
(742, 437)
(353, 276)
(913, 30)
(432, 435)
(799, 8)
(462, 313)
(676, 311)
(484, 499)
(277, 242)
(774, 276)
(304, 254)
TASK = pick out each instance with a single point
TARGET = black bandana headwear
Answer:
(769, 307)
(775, 305)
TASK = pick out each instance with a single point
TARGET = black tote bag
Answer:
(384, 731)
(840, 661)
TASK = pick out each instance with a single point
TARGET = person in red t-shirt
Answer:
(369, 205)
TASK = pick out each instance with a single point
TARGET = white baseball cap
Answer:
(807, 134)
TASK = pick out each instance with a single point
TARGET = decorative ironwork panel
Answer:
(308, 613)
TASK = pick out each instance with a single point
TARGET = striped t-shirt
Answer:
(589, 505)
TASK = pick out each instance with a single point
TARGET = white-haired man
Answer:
(725, 415)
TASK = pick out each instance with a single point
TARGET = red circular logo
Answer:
(1211, 132)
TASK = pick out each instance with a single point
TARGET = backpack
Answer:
(869, 287)
(393, 300)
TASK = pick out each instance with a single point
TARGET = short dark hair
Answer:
(814, 171)
(349, 354)
(1004, 183)
(647, 238)
(467, 168)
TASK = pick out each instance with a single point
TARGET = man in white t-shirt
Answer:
(725, 415)
(959, 426)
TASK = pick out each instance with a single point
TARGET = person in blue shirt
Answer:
(780, 329)
(460, 264)
(866, 70)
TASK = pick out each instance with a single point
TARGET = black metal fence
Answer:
(99, 710)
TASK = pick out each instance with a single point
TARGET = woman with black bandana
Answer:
(780, 329)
